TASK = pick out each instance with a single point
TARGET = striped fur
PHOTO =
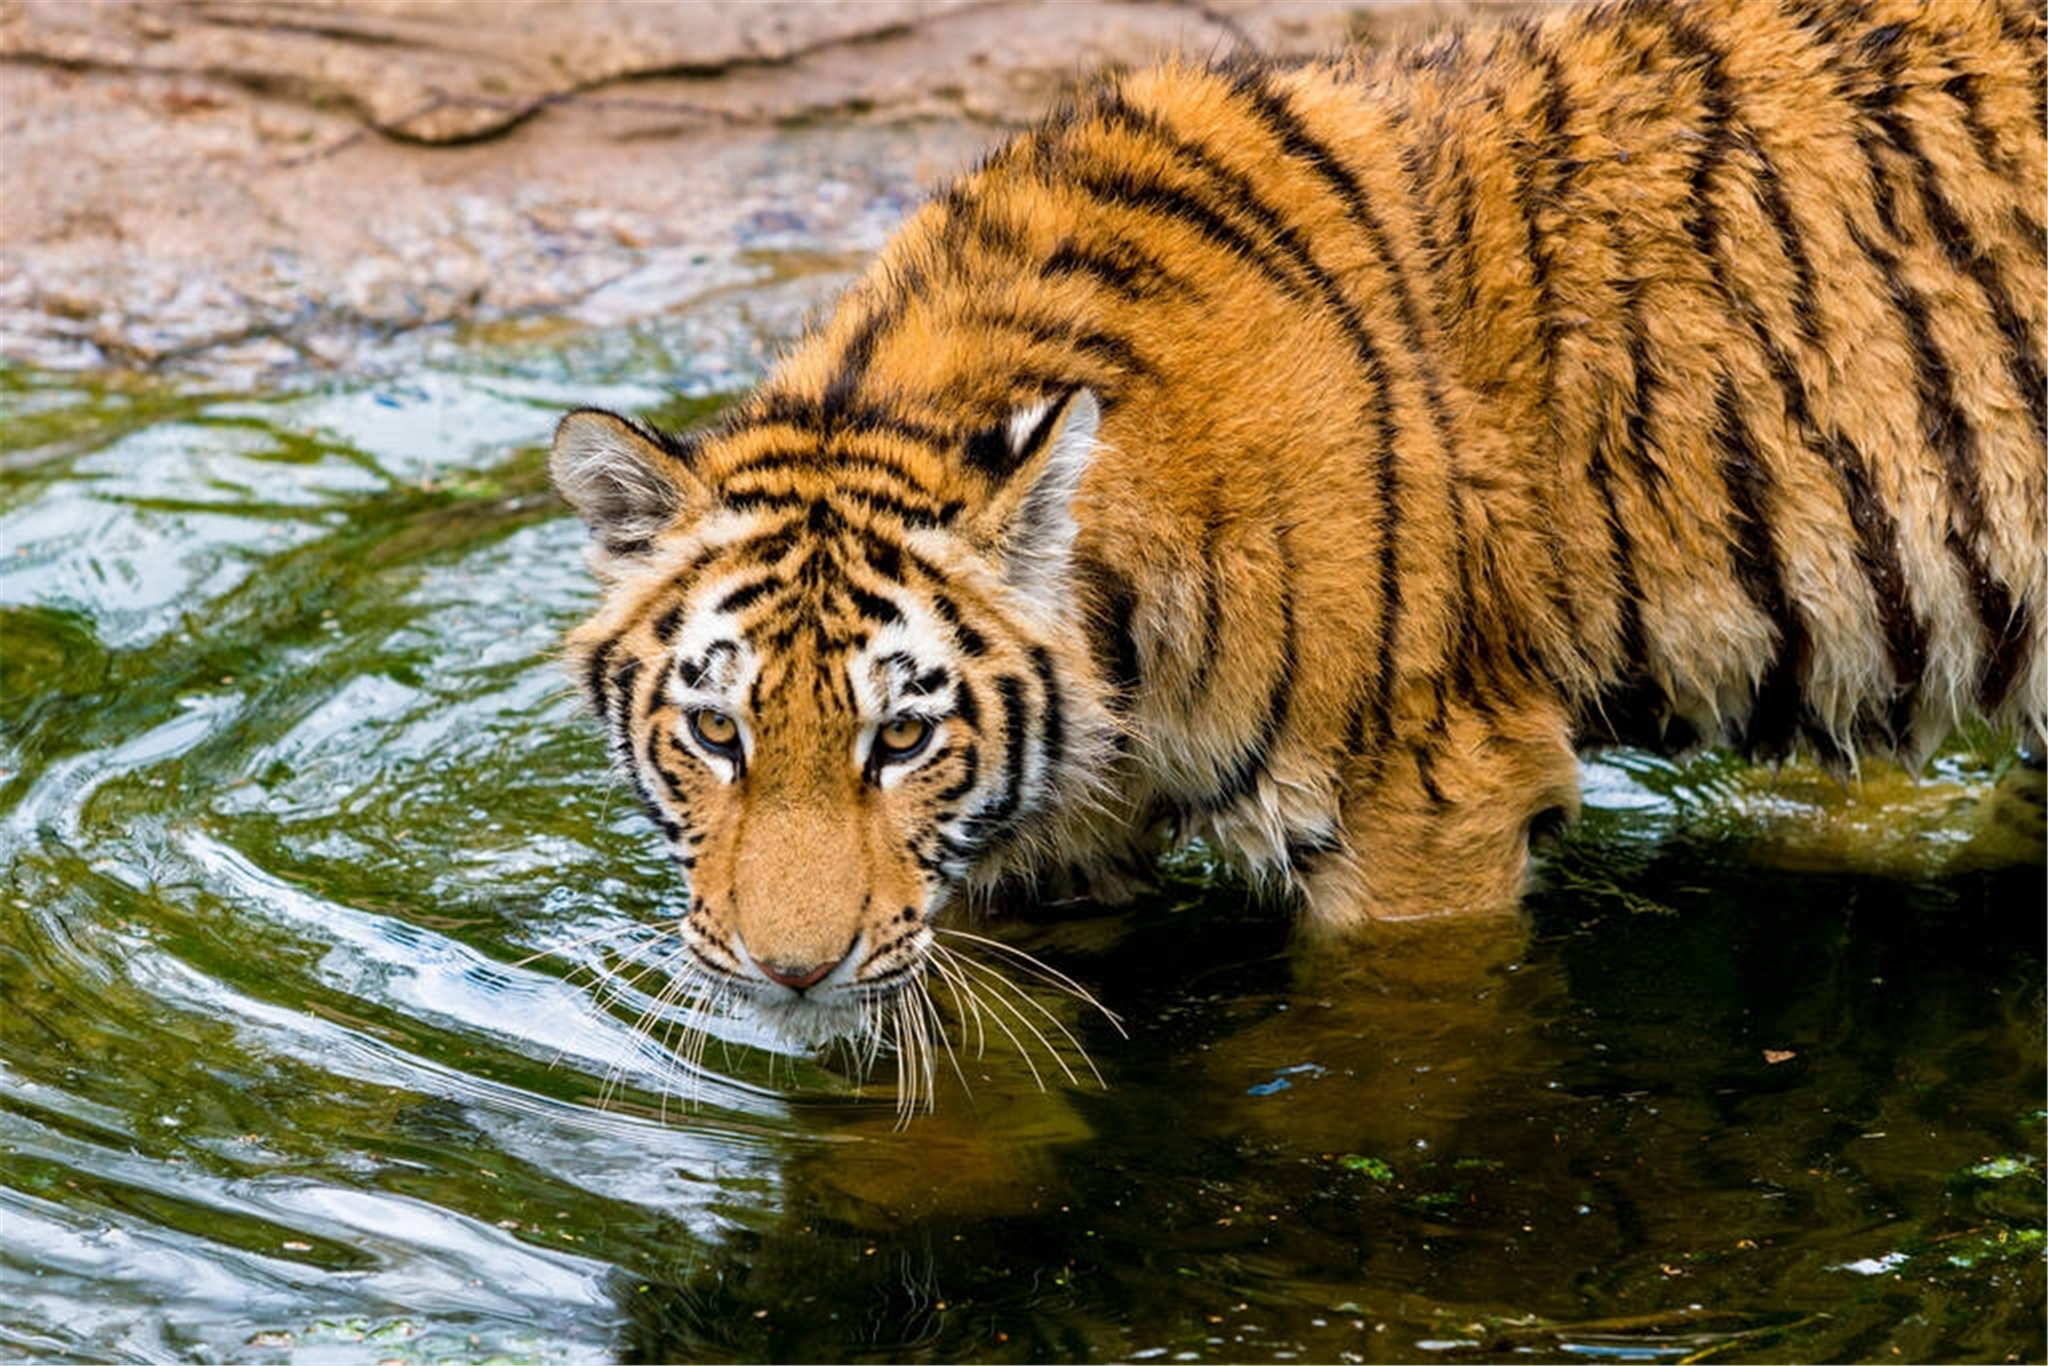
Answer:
(1314, 458)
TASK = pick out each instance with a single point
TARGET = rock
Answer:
(241, 177)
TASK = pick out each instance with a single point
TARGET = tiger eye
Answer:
(902, 737)
(715, 730)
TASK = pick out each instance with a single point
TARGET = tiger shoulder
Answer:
(1312, 459)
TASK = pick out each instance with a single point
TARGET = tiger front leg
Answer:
(1438, 823)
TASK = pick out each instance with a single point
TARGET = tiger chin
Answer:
(1313, 460)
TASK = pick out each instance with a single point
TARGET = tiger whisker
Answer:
(682, 987)
(1022, 1052)
(612, 985)
(1045, 972)
(939, 1027)
(906, 1050)
(582, 941)
(936, 1043)
(1001, 983)
(675, 986)
(964, 995)
(918, 1055)
(1008, 994)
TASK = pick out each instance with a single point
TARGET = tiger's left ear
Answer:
(1037, 459)
(628, 482)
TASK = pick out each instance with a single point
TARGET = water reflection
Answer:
(1642, 1137)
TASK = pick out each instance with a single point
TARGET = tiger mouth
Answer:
(932, 1013)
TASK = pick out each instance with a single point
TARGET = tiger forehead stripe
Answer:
(800, 417)
(817, 504)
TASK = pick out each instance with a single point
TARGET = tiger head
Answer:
(838, 664)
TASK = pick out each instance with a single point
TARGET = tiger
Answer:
(1314, 458)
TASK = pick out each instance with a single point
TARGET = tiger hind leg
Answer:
(1438, 824)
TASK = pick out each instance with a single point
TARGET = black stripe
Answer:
(1775, 714)
(873, 606)
(669, 623)
(1052, 736)
(777, 543)
(970, 216)
(814, 461)
(1877, 533)
(619, 709)
(596, 670)
(992, 819)
(1112, 640)
(1121, 267)
(805, 418)
(690, 672)
(916, 513)
(672, 784)
(884, 557)
(1118, 185)
(816, 454)
(841, 397)
(2007, 624)
(1111, 348)
(1877, 537)
(1425, 772)
(966, 705)
(656, 812)
(1554, 140)
(1624, 703)
(1640, 446)
(1118, 352)
(1771, 190)
(744, 596)
(1461, 297)
(1252, 759)
(972, 643)
(1206, 650)
(1967, 90)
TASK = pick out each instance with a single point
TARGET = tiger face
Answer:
(840, 712)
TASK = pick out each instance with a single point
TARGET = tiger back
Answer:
(1314, 459)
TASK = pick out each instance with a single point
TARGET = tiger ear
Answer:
(1038, 458)
(629, 483)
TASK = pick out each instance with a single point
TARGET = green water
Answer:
(311, 871)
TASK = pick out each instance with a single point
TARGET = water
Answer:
(311, 867)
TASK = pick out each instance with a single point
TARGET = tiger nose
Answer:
(796, 976)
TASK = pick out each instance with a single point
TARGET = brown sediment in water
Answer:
(253, 185)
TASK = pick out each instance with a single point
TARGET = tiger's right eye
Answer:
(716, 731)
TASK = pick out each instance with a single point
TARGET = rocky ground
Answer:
(246, 185)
